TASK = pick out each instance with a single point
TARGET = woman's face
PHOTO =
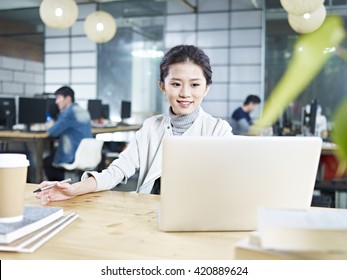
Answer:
(185, 87)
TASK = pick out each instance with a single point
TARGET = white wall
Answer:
(71, 59)
(20, 77)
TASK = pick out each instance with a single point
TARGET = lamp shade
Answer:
(300, 7)
(58, 14)
(100, 27)
(308, 22)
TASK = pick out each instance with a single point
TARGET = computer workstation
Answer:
(104, 125)
(33, 113)
(125, 111)
(23, 120)
(26, 113)
(101, 116)
(306, 120)
(330, 191)
(7, 112)
(94, 107)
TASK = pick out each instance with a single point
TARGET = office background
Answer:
(249, 43)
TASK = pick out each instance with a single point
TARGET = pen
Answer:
(51, 185)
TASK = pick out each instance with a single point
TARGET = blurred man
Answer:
(241, 119)
(72, 125)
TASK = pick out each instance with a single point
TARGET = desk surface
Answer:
(122, 225)
(95, 130)
(22, 134)
(118, 128)
(328, 149)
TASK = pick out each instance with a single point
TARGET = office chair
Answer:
(87, 157)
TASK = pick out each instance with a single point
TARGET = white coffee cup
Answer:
(13, 177)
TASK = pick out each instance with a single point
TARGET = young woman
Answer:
(185, 79)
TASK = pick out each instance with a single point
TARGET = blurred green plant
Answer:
(311, 52)
(339, 136)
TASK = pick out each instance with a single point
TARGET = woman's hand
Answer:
(64, 191)
(60, 191)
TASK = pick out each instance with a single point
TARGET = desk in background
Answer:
(118, 128)
(39, 139)
(123, 225)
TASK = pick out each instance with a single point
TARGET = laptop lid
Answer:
(218, 183)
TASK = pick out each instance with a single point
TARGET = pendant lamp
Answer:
(100, 26)
(58, 14)
(300, 7)
(307, 22)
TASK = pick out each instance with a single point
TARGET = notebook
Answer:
(218, 183)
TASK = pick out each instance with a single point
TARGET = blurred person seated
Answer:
(241, 120)
(71, 126)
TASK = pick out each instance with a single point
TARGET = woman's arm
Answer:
(64, 191)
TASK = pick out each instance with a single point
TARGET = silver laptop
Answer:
(217, 183)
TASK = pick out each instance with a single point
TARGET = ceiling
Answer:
(27, 11)
(20, 21)
(20, 4)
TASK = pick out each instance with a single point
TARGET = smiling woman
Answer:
(185, 76)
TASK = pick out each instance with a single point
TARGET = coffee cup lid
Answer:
(13, 160)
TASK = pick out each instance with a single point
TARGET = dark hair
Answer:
(252, 99)
(66, 91)
(185, 53)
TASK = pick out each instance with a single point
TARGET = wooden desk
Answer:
(118, 128)
(122, 225)
(40, 138)
(328, 149)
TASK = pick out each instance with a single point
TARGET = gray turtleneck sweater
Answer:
(180, 123)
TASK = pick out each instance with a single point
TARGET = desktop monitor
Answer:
(284, 125)
(105, 111)
(52, 108)
(125, 110)
(7, 112)
(95, 108)
(32, 110)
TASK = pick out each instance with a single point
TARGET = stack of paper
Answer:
(37, 227)
(297, 234)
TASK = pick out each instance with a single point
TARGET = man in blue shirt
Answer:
(72, 125)
(240, 119)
